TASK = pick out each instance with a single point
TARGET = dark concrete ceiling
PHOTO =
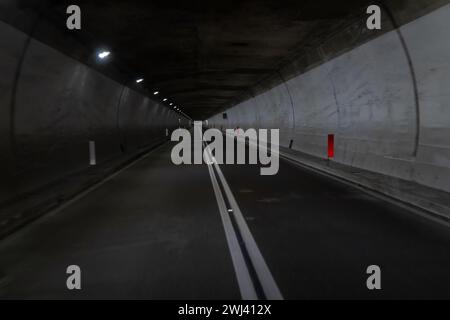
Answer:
(202, 54)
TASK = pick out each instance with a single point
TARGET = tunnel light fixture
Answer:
(156, 93)
(139, 80)
(165, 99)
(171, 104)
(103, 54)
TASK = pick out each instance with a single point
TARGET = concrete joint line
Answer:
(13, 102)
(291, 99)
(412, 73)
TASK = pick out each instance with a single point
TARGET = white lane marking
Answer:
(270, 288)
(244, 280)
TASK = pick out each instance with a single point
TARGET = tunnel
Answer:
(225, 150)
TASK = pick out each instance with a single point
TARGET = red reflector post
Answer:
(330, 146)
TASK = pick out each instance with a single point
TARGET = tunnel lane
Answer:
(155, 231)
(319, 235)
(151, 232)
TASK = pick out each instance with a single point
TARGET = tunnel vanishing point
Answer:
(95, 95)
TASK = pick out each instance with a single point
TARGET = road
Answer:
(156, 231)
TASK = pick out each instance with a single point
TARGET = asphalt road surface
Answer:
(160, 231)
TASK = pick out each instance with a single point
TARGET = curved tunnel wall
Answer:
(53, 105)
(386, 101)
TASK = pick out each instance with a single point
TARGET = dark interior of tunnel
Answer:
(205, 55)
(224, 150)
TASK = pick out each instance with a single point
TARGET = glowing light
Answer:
(104, 54)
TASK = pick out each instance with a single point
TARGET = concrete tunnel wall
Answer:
(53, 105)
(390, 114)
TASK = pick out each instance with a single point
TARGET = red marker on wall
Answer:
(330, 146)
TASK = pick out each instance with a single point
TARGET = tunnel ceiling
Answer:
(202, 54)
